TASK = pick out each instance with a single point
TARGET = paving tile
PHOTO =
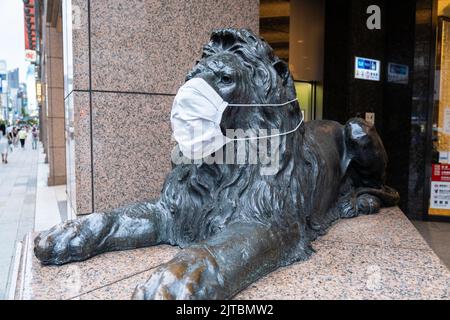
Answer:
(337, 271)
(70, 280)
(17, 190)
(351, 271)
(389, 228)
(120, 290)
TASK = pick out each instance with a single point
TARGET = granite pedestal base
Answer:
(370, 257)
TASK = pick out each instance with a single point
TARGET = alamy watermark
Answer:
(260, 147)
(374, 20)
(374, 279)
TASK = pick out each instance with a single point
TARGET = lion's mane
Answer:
(201, 199)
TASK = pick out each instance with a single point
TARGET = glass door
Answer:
(440, 178)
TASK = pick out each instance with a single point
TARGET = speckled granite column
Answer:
(124, 63)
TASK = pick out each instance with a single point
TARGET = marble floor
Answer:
(437, 235)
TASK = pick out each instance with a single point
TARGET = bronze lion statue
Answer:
(234, 223)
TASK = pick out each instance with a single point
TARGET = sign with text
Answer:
(440, 190)
(30, 55)
(367, 69)
(398, 73)
(2, 86)
(370, 117)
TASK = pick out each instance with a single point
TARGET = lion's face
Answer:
(242, 68)
(235, 83)
(226, 74)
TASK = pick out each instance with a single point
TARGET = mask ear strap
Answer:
(271, 136)
(263, 105)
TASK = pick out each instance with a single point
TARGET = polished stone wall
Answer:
(422, 108)
(124, 61)
(397, 98)
(53, 111)
(347, 36)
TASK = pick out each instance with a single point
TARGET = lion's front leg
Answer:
(221, 266)
(134, 226)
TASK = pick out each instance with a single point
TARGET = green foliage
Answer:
(24, 113)
(33, 122)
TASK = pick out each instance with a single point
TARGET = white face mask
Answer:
(196, 115)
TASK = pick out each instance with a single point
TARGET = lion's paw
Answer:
(73, 240)
(191, 275)
(368, 204)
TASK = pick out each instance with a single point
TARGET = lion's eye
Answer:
(226, 79)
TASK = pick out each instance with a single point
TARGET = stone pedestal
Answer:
(370, 257)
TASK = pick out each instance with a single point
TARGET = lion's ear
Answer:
(283, 70)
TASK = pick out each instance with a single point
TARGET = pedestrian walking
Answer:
(4, 146)
(9, 135)
(35, 135)
(15, 134)
(22, 137)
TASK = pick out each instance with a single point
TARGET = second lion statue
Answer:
(235, 224)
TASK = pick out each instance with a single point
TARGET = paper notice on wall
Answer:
(370, 117)
(447, 120)
(440, 190)
(440, 195)
(444, 157)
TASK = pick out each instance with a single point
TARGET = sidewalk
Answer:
(23, 184)
(17, 204)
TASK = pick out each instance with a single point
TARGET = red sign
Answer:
(440, 172)
(30, 55)
(30, 24)
(440, 190)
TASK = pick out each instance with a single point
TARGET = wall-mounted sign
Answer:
(370, 117)
(446, 128)
(2, 78)
(30, 55)
(38, 91)
(398, 73)
(440, 190)
(367, 69)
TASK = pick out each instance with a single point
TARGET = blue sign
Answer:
(1, 86)
(367, 69)
(398, 73)
(367, 64)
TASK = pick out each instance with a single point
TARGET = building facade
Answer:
(110, 70)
